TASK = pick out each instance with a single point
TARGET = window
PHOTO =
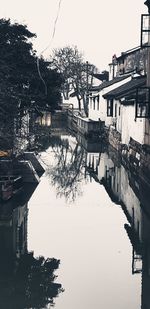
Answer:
(145, 30)
(94, 103)
(98, 102)
(142, 102)
(141, 110)
(115, 110)
(110, 108)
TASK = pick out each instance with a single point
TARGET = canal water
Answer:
(86, 212)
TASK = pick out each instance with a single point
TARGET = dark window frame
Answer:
(110, 104)
(142, 109)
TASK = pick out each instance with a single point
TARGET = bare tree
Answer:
(77, 74)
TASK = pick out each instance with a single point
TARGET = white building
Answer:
(120, 103)
(124, 115)
(99, 108)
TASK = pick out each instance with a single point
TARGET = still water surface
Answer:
(75, 215)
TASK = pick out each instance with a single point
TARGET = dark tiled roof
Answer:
(103, 76)
(109, 83)
(126, 88)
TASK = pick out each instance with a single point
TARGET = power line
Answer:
(54, 29)
(52, 38)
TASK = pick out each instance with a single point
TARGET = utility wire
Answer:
(54, 30)
(52, 38)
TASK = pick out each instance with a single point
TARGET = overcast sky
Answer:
(99, 28)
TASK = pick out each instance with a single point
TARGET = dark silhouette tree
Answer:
(28, 282)
(21, 87)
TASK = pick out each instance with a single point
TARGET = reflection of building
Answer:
(13, 224)
(133, 195)
(109, 175)
(89, 144)
(13, 245)
(13, 228)
(44, 119)
(93, 161)
(13, 231)
(116, 181)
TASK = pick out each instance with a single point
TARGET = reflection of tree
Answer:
(31, 285)
(68, 171)
(44, 139)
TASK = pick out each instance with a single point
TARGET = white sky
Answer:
(99, 28)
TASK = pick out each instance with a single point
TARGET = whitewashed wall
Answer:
(112, 70)
(131, 127)
(72, 101)
(117, 115)
(94, 114)
(131, 202)
(101, 113)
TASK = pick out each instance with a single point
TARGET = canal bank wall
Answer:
(135, 155)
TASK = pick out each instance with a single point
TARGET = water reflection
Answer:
(25, 281)
(68, 170)
(74, 159)
(132, 193)
(69, 166)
